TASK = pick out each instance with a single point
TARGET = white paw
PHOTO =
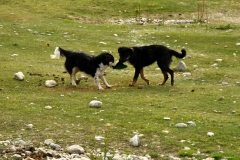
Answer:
(109, 86)
(100, 88)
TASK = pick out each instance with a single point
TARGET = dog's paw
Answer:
(109, 86)
(130, 85)
(100, 88)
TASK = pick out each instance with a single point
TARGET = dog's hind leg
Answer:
(73, 76)
(142, 76)
(165, 75)
(105, 81)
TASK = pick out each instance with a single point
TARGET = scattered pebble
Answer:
(166, 118)
(75, 149)
(218, 60)
(19, 76)
(210, 134)
(181, 125)
(95, 104)
(135, 141)
(181, 66)
(50, 83)
(185, 74)
(48, 107)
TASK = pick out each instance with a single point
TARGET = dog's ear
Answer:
(120, 49)
(108, 57)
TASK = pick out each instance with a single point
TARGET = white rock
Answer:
(166, 118)
(17, 157)
(48, 107)
(95, 104)
(210, 134)
(75, 149)
(191, 123)
(224, 83)
(29, 126)
(214, 65)
(19, 76)
(237, 44)
(102, 42)
(218, 60)
(185, 74)
(99, 138)
(50, 83)
(181, 125)
(195, 66)
(135, 141)
(181, 66)
(48, 142)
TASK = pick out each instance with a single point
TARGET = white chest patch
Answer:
(101, 69)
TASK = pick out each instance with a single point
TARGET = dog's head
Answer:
(125, 53)
(107, 59)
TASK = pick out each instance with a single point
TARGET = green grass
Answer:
(126, 110)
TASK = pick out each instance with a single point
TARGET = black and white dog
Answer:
(91, 65)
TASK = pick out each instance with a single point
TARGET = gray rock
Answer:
(75, 149)
(191, 123)
(135, 141)
(181, 66)
(17, 157)
(95, 104)
(181, 125)
(48, 142)
(55, 147)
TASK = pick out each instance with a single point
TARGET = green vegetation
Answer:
(27, 26)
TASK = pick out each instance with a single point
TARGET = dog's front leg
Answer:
(105, 81)
(97, 82)
(142, 76)
(137, 71)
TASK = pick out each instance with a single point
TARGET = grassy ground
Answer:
(81, 25)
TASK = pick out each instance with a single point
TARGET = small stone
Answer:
(237, 44)
(50, 83)
(55, 147)
(218, 60)
(210, 134)
(48, 107)
(191, 123)
(95, 104)
(29, 126)
(185, 74)
(181, 125)
(75, 149)
(17, 157)
(181, 66)
(99, 138)
(48, 142)
(19, 76)
(166, 118)
(135, 141)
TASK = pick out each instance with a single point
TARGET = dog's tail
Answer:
(56, 54)
(178, 55)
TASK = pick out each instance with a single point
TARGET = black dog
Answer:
(92, 65)
(143, 56)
